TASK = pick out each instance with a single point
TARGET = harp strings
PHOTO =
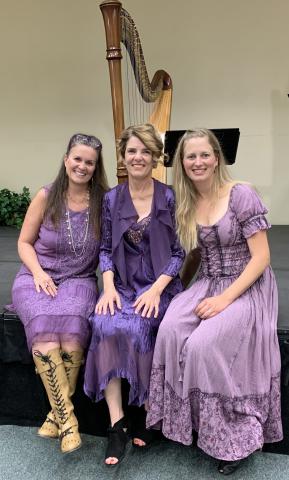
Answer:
(127, 90)
(137, 109)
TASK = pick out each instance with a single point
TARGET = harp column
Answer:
(110, 10)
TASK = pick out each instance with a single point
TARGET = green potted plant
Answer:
(13, 207)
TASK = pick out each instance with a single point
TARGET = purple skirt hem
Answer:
(136, 397)
(228, 428)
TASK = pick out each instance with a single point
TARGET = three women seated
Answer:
(205, 360)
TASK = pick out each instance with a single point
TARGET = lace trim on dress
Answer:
(136, 232)
(105, 262)
(173, 268)
(228, 428)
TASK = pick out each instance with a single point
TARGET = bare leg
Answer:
(45, 347)
(71, 346)
(112, 395)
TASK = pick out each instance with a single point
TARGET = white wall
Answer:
(228, 60)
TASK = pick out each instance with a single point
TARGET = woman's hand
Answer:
(147, 302)
(107, 301)
(211, 306)
(43, 281)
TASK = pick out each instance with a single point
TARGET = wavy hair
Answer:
(97, 185)
(148, 135)
(186, 192)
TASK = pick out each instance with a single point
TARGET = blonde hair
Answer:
(186, 192)
(148, 135)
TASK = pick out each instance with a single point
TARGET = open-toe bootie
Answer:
(140, 432)
(117, 439)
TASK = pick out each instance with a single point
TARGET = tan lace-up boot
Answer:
(72, 363)
(51, 369)
(49, 428)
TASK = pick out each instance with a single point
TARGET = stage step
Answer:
(23, 400)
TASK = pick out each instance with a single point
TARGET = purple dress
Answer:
(65, 316)
(221, 376)
(137, 252)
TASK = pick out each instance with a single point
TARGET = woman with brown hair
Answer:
(55, 290)
(140, 258)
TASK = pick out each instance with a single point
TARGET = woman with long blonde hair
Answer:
(216, 365)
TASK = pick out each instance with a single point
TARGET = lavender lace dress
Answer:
(220, 377)
(122, 345)
(64, 317)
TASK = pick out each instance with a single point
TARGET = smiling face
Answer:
(80, 163)
(199, 160)
(138, 159)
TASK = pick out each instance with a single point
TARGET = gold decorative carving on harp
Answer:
(120, 28)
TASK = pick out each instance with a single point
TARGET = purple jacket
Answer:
(119, 214)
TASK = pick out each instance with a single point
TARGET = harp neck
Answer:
(120, 28)
(111, 15)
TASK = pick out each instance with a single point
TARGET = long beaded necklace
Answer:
(81, 244)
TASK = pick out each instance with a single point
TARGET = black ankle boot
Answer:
(117, 440)
(228, 467)
(139, 430)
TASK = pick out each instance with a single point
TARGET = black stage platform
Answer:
(22, 398)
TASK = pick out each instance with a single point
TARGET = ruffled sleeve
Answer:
(105, 260)
(249, 209)
(178, 254)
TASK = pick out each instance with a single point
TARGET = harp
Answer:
(156, 94)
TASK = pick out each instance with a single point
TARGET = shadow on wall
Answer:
(280, 155)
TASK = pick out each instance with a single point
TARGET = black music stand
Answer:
(228, 138)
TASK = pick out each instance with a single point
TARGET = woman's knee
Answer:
(71, 346)
(45, 347)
